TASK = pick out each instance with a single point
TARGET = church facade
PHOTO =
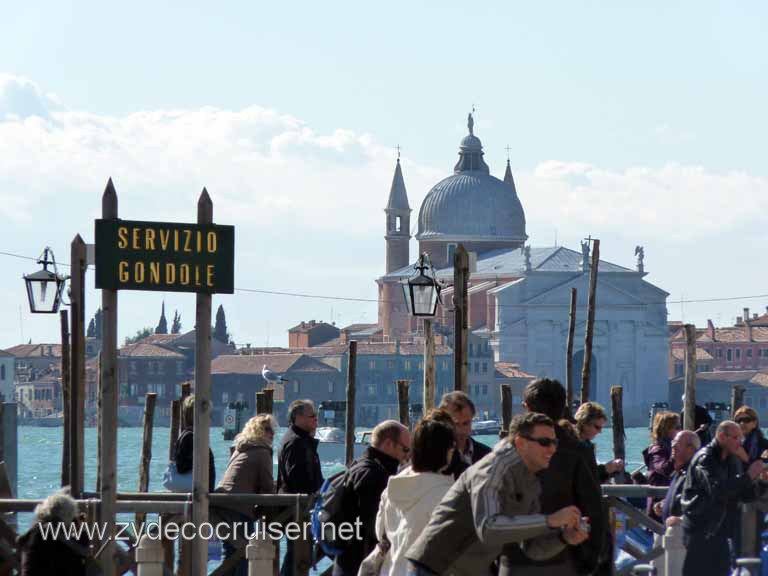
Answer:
(519, 295)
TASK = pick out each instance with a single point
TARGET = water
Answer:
(39, 459)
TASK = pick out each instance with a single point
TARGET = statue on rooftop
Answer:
(527, 256)
(640, 253)
(470, 123)
(584, 254)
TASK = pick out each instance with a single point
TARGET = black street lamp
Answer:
(422, 291)
(45, 287)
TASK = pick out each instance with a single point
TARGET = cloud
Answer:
(21, 98)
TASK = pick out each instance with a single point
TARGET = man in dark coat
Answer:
(715, 485)
(684, 446)
(701, 422)
(568, 481)
(368, 477)
(298, 465)
(468, 451)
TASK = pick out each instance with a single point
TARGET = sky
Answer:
(635, 124)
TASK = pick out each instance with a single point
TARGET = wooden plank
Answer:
(174, 430)
(689, 407)
(65, 396)
(569, 353)
(146, 448)
(506, 409)
(737, 398)
(201, 436)
(460, 317)
(637, 515)
(617, 423)
(269, 400)
(349, 430)
(229, 563)
(586, 372)
(110, 397)
(403, 403)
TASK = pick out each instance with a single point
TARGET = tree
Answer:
(162, 325)
(94, 326)
(140, 334)
(91, 332)
(220, 330)
(176, 327)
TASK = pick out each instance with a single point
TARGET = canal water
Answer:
(39, 459)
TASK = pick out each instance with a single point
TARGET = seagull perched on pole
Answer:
(271, 377)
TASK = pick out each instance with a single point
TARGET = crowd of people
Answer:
(433, 500)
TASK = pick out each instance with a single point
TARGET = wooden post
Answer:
(617, 420)
(174, 432)
(65, 397)
(586, 371)
(569, 353)
(109, 394)
(269, 400)
(261, 405)
(99, 414)
(146, 448)
(349, 430)
(429, 367)
(460, 317)
(689, 408)
(506, 409)
(77, 368)
(402, 401)
(201, 439)
(737, 398)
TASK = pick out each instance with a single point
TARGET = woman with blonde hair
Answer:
(754, 441)
(590, 421)
(249, 471)
(658, 456)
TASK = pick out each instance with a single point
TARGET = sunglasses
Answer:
(543, 442)
(744, 420)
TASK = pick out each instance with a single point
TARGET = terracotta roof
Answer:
(510, 370)
(309, 326)
(701, 354)
(375, 349)
(725, 376)
(35, 350)
(159, 339)
(728, 334)
(278, 363)
(358, 327)
(142, 350)
(4, 354)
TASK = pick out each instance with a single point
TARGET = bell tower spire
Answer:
(398, 222)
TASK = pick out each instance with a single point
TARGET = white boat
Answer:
(331, 447)
(485, 427)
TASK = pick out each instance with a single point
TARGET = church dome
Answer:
(472, 205)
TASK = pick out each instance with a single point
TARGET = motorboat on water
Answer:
(331, 447)
(485, 427)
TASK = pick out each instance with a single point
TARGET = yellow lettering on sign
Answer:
(170, 273)
(149, 239)
(209, 275)
(123, 271)
(135, 243)
(187, 238)
(122, 237)
(175, 240)
(138, 273)
(165, 235)
(212, 242)
(154, 272)
(184, 274)
(199, 238)
(197, 275)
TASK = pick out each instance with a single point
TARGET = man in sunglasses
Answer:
(368, 476)
(495, 504)
(715, 484)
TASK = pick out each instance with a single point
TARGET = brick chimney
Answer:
(739, 321)
(748, 328)
(746, 314)
(710, 329)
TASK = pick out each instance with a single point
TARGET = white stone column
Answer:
(149, 557)
(260, 555)
(674, 550)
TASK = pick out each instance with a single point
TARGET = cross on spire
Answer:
(398, 151)
(508, 149)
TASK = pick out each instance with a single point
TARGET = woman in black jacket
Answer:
(754, 441)
(183, 450)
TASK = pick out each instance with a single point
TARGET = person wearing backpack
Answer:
(366, 480)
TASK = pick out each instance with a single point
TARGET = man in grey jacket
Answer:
(495, 503)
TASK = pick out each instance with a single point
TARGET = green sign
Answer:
(165, 256)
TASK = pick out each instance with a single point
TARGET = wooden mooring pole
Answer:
(174, 428)
(269, 400)
(77, 366)
(460, 317)
(402, 402)
(429, 367)
(146, 448)
(109, 394)
(201, 436)
(617, 421)
(689, 407)
(586, 371)
(349, 429)
(261, 404)
(737, 398)
(506, 409)
(65, 397)
(569, 353)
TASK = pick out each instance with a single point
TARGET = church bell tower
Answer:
(398, 223)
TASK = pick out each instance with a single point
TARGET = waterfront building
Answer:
(7, 375)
